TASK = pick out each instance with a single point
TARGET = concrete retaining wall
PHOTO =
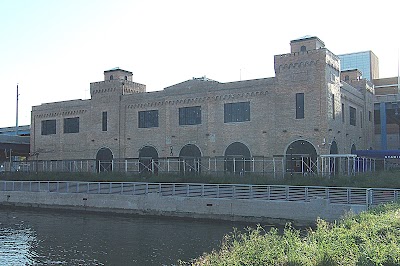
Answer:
(276, 212)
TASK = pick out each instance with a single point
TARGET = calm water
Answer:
(43, 237)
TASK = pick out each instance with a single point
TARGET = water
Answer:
(44, 237)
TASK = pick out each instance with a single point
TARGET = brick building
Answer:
(306, 110)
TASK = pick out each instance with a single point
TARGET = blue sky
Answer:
(54, 48)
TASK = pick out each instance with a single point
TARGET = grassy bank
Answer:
(377, 179)
(370, 238)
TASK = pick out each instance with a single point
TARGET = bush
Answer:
(370, 238)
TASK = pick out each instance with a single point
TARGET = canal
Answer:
(48, 237)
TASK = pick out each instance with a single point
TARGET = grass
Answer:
(386, 179)
(370, 238)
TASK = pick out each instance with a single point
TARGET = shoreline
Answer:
(156, 205)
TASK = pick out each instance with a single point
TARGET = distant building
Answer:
(366, 62)
(304, 111)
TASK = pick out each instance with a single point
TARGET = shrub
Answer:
(370, 238)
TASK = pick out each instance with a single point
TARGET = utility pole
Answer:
(16, 120)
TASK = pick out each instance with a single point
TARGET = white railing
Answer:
(325, 165)
(338, 195)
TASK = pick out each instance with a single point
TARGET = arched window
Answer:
(104, 159)
(303, 49)
(126, 77)
(148, 160)
(334, 162)
(301, 157)
(190, 156)
(237, 158)
(346, 78)
(111, 77)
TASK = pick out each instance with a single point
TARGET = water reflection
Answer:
(41, 237)
(17, 246)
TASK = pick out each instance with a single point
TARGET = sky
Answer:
(53, 49)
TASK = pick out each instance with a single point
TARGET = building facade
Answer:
(304, 111)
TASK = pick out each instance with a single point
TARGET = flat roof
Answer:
(117, 69)
(307, 37)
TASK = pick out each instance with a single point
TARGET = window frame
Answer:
(146, 117)
(104, 121)
(47, 129)
(237, 112)
(71, 125)
(353, 116)
(190, 115)
(300, 102)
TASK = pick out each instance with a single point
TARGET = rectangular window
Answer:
(148, 119)
(48, 127)
(104, 121)
(236, 112)
(343, 114)
(361, 119)
(333, 106)
(71, 125)
(369, 116)
(299, 105)
(190, 115)
(353, 114)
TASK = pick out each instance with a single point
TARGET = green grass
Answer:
(376, 180)
(370, 238)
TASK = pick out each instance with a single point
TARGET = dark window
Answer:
(369, 116)
(148, 119)
(104, 121)
(353, 115)
(346, 78)
(48, 127)
(190, 115)
(361, 119)
(303, 48)
(333, 106)
(71, 125)
(299, 105)
(126, 77)
(343, 112)
(111, 77)
(236, 112)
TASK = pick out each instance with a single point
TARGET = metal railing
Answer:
(326, 165)
(338, 195)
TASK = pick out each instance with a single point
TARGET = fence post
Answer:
(287, 192)
(306, 194)
(348, 195)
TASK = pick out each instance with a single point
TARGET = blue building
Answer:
(366, 62)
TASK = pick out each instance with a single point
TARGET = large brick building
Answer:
(306, 110)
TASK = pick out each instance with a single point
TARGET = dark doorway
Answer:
(353, 149)
(190, 156)
(334, 162)
(104, 160)
(148, 160)
(301, 157)
(237, 158)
